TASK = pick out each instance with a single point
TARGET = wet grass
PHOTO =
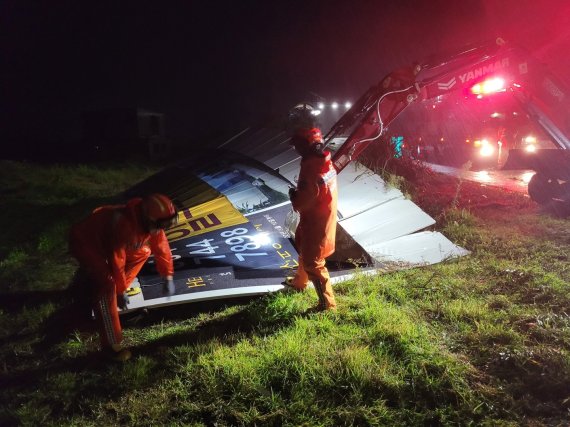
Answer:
(483, 340)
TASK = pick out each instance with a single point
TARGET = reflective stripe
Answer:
(329, 176)
(107, 320)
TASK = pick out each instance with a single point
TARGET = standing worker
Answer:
(315, 199)
(111, 245)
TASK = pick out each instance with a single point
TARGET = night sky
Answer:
(216, 67)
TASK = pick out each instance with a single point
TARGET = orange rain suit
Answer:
(315, 198)
(112, 245)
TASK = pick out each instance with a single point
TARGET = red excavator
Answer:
(478, 71)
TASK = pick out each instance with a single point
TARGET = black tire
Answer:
(542, 189)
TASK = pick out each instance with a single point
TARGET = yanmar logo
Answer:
(447, 85)
(483, 71)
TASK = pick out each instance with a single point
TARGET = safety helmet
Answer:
(302, 115)
(159, 210)
(310, 135)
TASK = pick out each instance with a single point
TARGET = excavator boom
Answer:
(541, 95)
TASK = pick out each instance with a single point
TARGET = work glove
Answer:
(168, 287)
(122, 300)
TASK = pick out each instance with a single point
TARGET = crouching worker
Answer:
(111, 245)
(315, 199)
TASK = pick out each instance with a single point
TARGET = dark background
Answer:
(216, 67)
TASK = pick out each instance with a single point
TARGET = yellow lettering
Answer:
(284, 255)
(210, 220)
(292, 263)
(195, 282)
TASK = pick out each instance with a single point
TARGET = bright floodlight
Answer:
(486, 87)
(347, 105)
(334, 105)
(321, 106)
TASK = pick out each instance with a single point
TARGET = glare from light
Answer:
(315, 112)
(487, 150)
(530, 139)
(261, 239)
(526, 177)
(483, 176)
(496, 115)
(494, 85)
(334, 105)
(530, 148)
(486, 87)
(347, 105)
(321, 106)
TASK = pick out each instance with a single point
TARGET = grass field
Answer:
(482, 340)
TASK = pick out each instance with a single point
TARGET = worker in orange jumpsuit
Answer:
(315, 199)
(111, 245)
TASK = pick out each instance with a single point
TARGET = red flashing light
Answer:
(486, 87)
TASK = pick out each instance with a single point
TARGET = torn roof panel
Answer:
(233, 240)
(387, 221)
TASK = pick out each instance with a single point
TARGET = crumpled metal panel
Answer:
(277, 161)
(361, 189)
(374, 214)
(423, 248)
(386, 222)
(291, 170)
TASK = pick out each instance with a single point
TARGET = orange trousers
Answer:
(106, 310)
(315, 270)
(101, 291)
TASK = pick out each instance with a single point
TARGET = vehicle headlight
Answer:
(531, 148)
(487, 150)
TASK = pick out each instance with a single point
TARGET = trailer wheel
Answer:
(542, 189)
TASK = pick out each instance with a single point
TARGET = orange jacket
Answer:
(315, 198)
(114, 237)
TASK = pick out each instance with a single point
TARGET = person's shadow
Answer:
(73, 312)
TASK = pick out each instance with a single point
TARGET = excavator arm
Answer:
(537, 91)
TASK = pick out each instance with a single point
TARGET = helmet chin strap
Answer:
(309, 149)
